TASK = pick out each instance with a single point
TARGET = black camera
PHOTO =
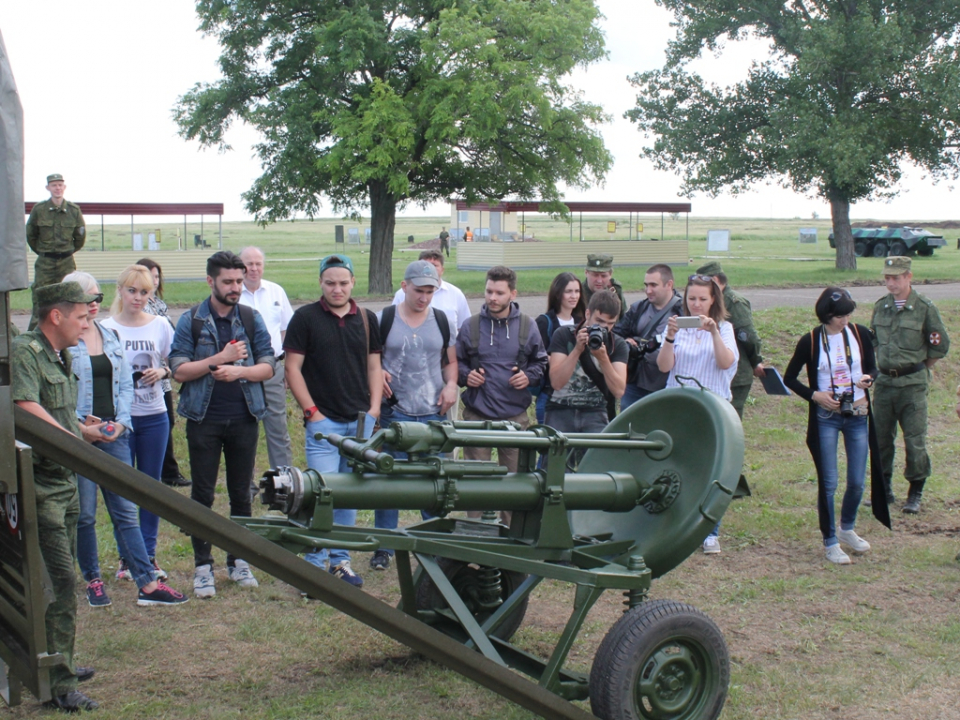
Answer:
(846, 403)
(596, 336)
(644, 346)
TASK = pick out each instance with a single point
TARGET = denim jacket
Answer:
(122, 377)
(195, 394)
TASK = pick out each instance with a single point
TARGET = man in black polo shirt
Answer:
(333, 368)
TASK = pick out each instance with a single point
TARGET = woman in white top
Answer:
(146, 340)
(707, 354)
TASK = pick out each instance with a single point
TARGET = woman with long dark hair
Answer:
(840, 366)
(565, 306)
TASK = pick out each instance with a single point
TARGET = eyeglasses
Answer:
(840, 294)
(98, 298)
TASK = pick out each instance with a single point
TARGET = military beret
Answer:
(54, 178)
(711, 268)
(600, 263)
(65, 292)
(336, 261)
(896, 265)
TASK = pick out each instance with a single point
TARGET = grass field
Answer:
(762, 253)
(874, 640)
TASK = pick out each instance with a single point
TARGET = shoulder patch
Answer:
(935, 338)
(742, 336)
(36, 346)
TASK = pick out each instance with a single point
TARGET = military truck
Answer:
(880, 242)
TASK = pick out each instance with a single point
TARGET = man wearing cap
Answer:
(44, 385)
(909, 337)
(748, 342)
(333, 368)
(599, 273)
(419, 366)
(55, 231)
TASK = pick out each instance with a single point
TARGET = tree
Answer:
(851, 90)
(379, 103)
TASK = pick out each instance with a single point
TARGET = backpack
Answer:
(246, 317)
(389, 313)
(473, 350)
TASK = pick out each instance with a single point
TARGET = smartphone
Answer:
(692, 321)
(213, 368)
(92, 420)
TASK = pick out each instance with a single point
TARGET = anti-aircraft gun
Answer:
(644, 496)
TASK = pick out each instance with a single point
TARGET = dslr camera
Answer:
(846, 402)
(596, 336)
(644, 346)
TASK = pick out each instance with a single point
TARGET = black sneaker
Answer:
(74, 702)
(178, 481)
(163, 595)
(97, 594)
(380, 560)
(85, 673)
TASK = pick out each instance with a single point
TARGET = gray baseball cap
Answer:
(422, 272)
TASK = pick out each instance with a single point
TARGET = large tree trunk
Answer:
(842, 234)
(383, 220)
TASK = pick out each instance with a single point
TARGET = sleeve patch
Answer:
(742, 336)
(934, 338)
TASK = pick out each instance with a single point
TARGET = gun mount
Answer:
(645, 495)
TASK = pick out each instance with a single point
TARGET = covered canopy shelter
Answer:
(132, 209)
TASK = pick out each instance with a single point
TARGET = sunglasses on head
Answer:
(839, 294)
(701, 278)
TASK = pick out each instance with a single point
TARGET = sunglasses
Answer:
(840, 294)
(701, 278)
(98, 298)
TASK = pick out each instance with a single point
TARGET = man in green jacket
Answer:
(55, 231)
(909, 337)
(599, 272)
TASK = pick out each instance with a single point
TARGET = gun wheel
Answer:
(663, 660)
(468, 580)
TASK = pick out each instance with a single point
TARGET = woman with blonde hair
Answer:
(146, 340)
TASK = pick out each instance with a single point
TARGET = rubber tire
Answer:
(859, 248)
(632, 646)
(461, 575)
(879, 250)
(898, 247)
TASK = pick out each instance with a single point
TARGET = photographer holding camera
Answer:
(643, 327)
(840, 367)
(588, 366)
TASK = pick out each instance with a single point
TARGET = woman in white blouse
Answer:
(707, 354)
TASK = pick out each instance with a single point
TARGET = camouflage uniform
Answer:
(54, 234)
(748, 342)
(40, 375)
(904, 339)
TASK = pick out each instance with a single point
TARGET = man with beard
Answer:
(333, 368)
(222, 355)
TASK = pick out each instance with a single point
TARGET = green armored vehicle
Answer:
(880, 242)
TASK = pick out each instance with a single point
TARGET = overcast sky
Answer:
(98, 80)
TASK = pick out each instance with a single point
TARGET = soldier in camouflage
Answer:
(909, 337)
(55, 231)
(44, 385)
(748, 342)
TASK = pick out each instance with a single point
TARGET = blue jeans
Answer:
(325, 458)
(390, 519)
(148, 445)
(123, 515)
(631, 395)
(541, 408)
(857, 445)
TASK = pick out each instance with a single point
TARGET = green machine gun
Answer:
(645, 494)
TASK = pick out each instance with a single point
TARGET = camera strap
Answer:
(849, 354)
(651, 326)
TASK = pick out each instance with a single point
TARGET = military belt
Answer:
(56, 256)
(907, 370)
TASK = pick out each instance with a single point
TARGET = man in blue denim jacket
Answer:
(222, 371)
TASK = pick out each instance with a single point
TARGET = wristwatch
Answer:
(308, 413)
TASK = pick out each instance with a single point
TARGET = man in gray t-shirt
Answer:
(419, 367)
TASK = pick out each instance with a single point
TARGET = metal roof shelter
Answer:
(522, 207)
(131, 209)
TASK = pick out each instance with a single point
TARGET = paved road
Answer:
(760, 298)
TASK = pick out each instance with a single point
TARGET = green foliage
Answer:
(848, 93)
(377, 104)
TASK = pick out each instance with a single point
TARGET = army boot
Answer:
(913, 499)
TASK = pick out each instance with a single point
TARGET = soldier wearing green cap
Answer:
(909, 337)
(599, 273)
(44, 385)
(748, 342)
(55, 231)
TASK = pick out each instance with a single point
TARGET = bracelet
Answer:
(669, 340)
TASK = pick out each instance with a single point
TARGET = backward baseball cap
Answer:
(64, 292)
(336, 261)
(896, 265)
(599, 263)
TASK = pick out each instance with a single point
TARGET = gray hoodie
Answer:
(498, 350)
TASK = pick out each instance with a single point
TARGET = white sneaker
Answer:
(240, 574)
(711, 546)
(853, 541)
(838, 556)
(203, 586)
